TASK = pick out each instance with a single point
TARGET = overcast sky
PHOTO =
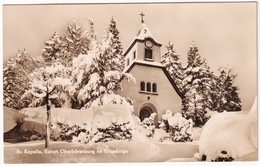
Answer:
(225, 33)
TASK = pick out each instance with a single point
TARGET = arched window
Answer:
(142, 86)
(148, 87)
(154, 87)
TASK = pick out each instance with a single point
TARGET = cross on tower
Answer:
(142, 17)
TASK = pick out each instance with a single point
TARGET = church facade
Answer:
(154, 90)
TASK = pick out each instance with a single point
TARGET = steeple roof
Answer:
(144, 33)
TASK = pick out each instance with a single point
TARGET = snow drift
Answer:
(234, 133)
(10, 118)
(35, 118)
(106, 114)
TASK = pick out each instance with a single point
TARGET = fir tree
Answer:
(173, 65)
(52, 50)
(11, 90)
(15, 79)
(227, 97)
(75, 42)
(197, 87)
(100, 72)
(116, 46)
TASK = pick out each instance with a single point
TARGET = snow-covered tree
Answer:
(173, 65)
(99, 72)
(47, 79)
(15, 79)
(148, 124)
(52, 50)
(226, 97)
(117, 46)
(197, 87)
(180, 128)
(45, 86)
(11, 90)
(75, 42)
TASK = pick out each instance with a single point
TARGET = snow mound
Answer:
(234, 133)
(105, 115)
(34, 119)
(71, 116)
(140, 141)
(167, 114)
(10, 118)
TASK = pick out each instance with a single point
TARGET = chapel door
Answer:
(145, 113)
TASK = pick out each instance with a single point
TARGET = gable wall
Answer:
(167, 98)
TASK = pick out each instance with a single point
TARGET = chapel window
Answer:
(142, 86)
(154, 87)
(148, 87)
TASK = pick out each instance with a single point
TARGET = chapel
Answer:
(154, 90)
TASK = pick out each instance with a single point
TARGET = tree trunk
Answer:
(47, 140)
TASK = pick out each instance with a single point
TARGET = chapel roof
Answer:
(145, 33)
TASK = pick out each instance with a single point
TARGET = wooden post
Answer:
(47, 140)
(48, 112)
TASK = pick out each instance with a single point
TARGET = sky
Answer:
(225, 33)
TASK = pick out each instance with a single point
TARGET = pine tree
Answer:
(75, 42)
(173, 65)
(227, 97)
(16, 80)
(100, 72)
(82, 67)
(52, 50)
(197, 87)
(11, 90)
(117, 46)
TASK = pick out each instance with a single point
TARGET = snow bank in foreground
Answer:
(104, 115)
(234, 133)
(34, 119)
(10, 118)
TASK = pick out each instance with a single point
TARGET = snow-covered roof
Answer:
(142, 34)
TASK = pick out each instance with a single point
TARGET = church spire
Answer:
(144, 31)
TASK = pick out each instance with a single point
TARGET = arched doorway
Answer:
(145, 112)
(146, 109)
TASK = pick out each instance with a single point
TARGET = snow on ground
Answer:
(137, 150)
(111, 113)
(235, 133)
(10, 118)
(35, 118)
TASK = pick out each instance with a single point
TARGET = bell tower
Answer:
(144, 48)
(154, 91)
